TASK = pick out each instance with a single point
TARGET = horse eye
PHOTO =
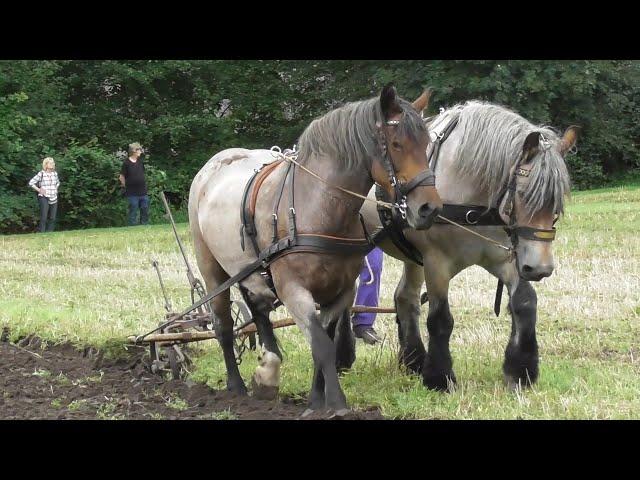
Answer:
(396, 145)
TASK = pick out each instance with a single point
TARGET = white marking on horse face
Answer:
(268, 370)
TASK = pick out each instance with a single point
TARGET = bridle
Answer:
(514, 230)
(425, 178)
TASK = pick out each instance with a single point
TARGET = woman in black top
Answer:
(135, 186)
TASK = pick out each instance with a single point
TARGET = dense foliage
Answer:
(84, 113)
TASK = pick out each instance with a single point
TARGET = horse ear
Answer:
(530, 143)
(569, 139)
(423, 101)
(389, 101)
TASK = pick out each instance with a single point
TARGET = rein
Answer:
(291, 157)
(511, 250)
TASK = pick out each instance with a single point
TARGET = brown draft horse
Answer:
(380, 140)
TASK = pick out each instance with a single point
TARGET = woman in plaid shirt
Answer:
(47, 193)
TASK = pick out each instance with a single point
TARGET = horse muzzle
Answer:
(427, 213)
(536, 273)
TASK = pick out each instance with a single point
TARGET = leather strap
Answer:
(262, 175)
(539, 234)
(425, 178)
(471, 215)
(391, 228)
(246, 216)
(498, 300)
(433, 156)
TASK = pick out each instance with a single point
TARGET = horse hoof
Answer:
(341, 414)
(516, 384)
(263, 392)
(440, 383)
(412, 358)
(511, 384)
(412, 366)
(307, 413)
(237, 388)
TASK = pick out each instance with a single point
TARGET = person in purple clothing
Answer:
(367, 295)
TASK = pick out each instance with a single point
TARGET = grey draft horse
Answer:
(381, 140)
(490, 149)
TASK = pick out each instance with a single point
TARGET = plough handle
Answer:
(167, 304)
(190, 276)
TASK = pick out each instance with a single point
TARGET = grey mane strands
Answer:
(493, 137)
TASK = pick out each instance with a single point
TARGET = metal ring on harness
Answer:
(466, 217)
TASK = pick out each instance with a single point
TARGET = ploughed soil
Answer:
(62, 382)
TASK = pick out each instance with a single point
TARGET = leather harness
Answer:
(295, 242)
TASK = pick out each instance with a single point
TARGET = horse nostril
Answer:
(536, 274)
(427, 211)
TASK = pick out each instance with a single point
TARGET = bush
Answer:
(19, 213)
(584, 174)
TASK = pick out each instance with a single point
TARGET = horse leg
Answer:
(265, 382)
(214, 275)
(345, 342)
(521, 355)
(325, 391)
(407, 303)
(333, 317)
(437, 371)
(341, 332)
(343, 359)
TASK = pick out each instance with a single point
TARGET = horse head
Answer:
(402, 168)
(532, 202)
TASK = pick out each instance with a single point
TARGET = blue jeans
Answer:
(47, 210)
(369, 288)
(138, 202)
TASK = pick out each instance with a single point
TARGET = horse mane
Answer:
(492, 140)
(348, 134)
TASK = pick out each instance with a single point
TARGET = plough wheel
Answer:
(168, 358)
